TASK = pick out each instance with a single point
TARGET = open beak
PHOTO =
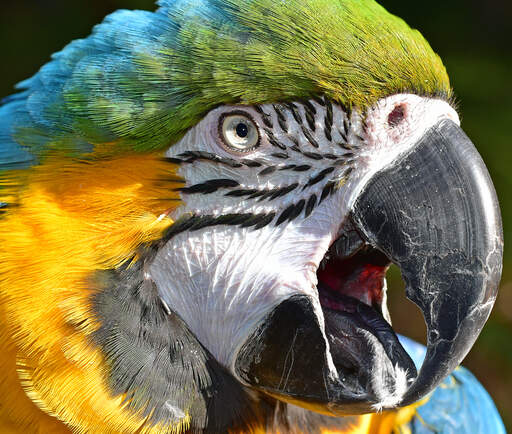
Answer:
(434, 213)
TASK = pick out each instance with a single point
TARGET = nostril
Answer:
(397, 115)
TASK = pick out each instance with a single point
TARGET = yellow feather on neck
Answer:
(72, 218)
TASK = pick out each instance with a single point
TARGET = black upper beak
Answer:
(435, 214)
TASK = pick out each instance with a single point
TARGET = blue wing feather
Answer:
(12, 154)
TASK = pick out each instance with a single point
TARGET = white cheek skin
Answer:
(223, 281)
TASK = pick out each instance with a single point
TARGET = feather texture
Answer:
(142, 79)
(136, 85)
(57, 237)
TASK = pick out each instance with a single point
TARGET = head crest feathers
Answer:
(141, 79)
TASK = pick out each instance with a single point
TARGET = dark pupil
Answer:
(242, 130)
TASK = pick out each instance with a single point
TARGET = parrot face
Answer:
(288, 224)
(198, 209)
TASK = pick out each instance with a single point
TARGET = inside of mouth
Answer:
(352, 292)
(359, 276)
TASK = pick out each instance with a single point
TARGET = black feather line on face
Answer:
(203, 222)
(265, 221)
(327, 191)
(295, 113)
(193, 156)
(310, 138)
(285, 214)
(302, 168)
(268, 170)
(241, 193)
(209, 186)
(327, 130)
(319, 177)
(284, 191)
(313, 155)
(251, 193)
(297, 210)
(310, 205)
(365, 125)
(296, 148)
(281, 155)
(273, 141)
(251, 163)
(320, 100)
(266, 118)
(259, 193)
(195, 222)
(268, 194)
(329, 118)
(281, 118)
(295, 142)
(255, 220)
(294, 210)
(346, 109)
(308, 107)
(264, 193)
(345, 126)
(310, 120)
(288, 167)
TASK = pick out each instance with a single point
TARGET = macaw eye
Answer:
(239, 132)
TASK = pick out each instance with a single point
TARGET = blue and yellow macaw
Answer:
(199, 207)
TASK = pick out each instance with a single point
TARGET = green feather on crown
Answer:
(143, 78)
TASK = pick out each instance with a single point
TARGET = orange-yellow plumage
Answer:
(96, 219)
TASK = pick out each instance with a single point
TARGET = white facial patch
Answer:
(265, 218)
(231, 277)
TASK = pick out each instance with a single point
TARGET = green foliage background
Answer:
(474, 39)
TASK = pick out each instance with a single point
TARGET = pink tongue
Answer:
(360, 276)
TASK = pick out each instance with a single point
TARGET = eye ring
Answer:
(238, 132)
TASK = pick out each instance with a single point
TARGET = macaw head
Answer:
(302, 148)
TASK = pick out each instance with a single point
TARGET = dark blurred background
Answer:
(474, 39)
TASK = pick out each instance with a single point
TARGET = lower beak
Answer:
(435, 214)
